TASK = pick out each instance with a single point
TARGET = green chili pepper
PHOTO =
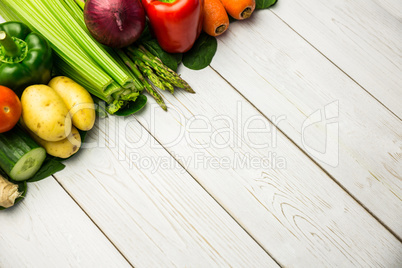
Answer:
(25, 57)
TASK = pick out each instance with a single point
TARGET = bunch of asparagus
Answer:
(152, 73)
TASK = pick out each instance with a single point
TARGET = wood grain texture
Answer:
(286, 77)
(47, 229)
(157, 217)
(288, 204)
(362, 37)
(156, 214)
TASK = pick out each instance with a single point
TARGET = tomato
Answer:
(10, 109)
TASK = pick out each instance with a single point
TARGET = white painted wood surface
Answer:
(284, 207)
(215, 183)
(362, 37)
(286, 77)
(48, 229)
(155, 216)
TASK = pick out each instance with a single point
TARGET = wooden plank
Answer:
(362, 37)
(286, 202)
(157, 217)
(284, 77)
(47, 229)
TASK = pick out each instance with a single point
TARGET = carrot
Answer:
(216, 20)
(239, 9)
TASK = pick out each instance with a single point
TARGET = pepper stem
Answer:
(10, 48)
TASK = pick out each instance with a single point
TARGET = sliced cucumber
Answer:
(20, 156)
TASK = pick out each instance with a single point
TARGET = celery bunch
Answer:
(79, 56)
(114, 76)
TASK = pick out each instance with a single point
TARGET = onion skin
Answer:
(115, 23)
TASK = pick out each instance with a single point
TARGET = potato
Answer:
(78, 101)
(45, 113)
(64, 148)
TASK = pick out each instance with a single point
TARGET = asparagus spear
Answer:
(132, 66)
(162, 70)
(122, 58)
(172, 76)
(148, 72)
(148, 87)
(168, 85)
(155, 95)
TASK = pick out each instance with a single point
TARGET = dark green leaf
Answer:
(50, 166)
(22, 188)
(133, 107)
(202, 52)
(179, 58)
(100, 107)
(170, 60)
(262, 4)
(83, 134)
(146, 34)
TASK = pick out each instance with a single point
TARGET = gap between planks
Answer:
(89, 217)
(213, 198)
(314, 161)
(339, 68)
(191, 175)
(285, 135)
(282, 132)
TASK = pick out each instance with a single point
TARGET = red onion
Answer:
(115, 23)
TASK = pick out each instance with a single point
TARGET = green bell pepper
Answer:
(25, 57)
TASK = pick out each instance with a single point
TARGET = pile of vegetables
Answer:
(113, 75)
(60, 58)
(40, 131)
(92, 39)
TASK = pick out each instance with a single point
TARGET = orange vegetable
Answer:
(239, 9)
(216, 20)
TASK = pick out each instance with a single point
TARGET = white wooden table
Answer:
(290, 154)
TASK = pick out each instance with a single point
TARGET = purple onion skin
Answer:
(115, 23)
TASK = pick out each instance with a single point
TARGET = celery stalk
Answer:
(80, 57)
(38, 17)
(80, 3)
(119, 56)
(86, 41)
(77, 13)
(62, 68)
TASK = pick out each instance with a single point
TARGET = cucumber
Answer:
(20, 156)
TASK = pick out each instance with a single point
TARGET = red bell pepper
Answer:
(176, 23)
